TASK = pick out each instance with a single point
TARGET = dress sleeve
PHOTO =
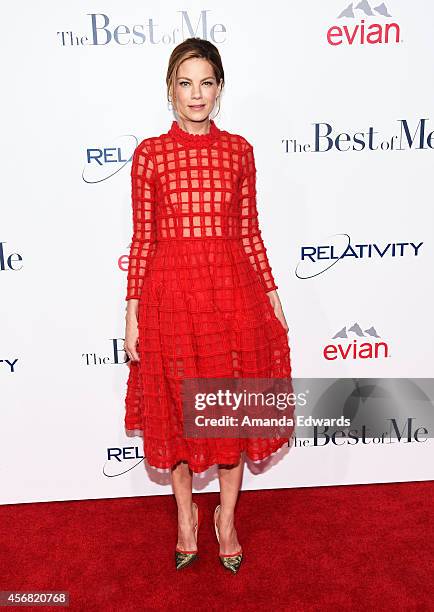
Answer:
(249, 224)
(143, 211)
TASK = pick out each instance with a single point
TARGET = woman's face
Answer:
(195, 90)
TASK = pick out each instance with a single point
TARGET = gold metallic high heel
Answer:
(231, 562)
(186, 557)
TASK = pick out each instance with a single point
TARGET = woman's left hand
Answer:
(277, 307)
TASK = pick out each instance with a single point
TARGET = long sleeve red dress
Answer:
(199, 267)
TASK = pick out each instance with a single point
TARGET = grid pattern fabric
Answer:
(199, 268)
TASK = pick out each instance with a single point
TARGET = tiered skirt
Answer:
(203, 313)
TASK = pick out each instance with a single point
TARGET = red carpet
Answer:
(366, 547)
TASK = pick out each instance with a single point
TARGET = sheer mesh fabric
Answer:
(199, 268)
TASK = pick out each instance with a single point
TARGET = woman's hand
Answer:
(277, 307)
(132, 330)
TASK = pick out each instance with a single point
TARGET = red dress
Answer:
(199, 268)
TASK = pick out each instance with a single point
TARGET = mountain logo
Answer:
(357, 330)
(365, 8)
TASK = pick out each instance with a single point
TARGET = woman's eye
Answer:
(187, 83)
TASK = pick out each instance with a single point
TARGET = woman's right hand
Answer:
(132, 332)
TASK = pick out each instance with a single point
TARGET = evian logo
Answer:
(355, 343)
(367, 28)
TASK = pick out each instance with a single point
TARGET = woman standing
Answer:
(201, 297)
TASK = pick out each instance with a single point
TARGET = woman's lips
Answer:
(197, 106)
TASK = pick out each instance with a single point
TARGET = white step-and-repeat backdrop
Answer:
(337, 99)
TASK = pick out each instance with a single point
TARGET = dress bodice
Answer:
(194, 187)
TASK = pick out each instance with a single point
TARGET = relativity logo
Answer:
(121, 460)
(103, 162)
(353, 343)
(365, 25)
(318, 258)
(8, 365)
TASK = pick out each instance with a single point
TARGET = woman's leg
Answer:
(182, 481)
(230, 481)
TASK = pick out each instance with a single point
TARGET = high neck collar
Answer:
(194, 140)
